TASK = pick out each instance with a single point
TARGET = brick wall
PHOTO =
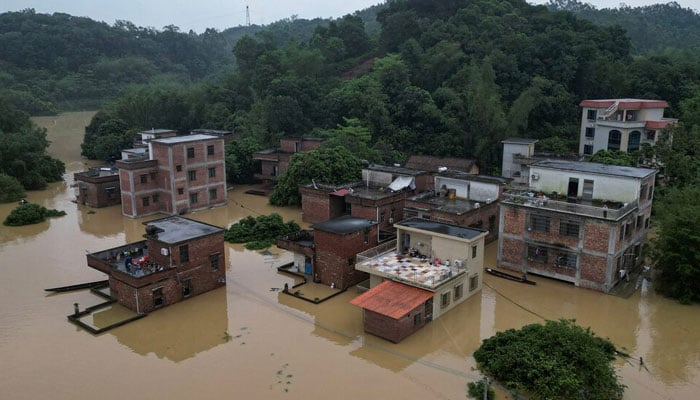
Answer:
(593, 268)
(514, 220)
(335, 256)
(484, 217)
(596, 236)
(391, 329)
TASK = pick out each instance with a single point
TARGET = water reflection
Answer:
(179, 331)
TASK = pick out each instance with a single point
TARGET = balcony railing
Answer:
(603, 212)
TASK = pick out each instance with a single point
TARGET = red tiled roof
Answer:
(625, 104)
(659, 124)
(392, 299)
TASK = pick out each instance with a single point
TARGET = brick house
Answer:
(275, 161)
(460, 199)
(180, 258)
(579, 222)
(621, 124)
(428, 270)
(435, 165)
(97, 187)
(328, 250)
(176, 175)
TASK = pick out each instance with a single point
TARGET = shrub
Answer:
(10, 189)
(27, 214)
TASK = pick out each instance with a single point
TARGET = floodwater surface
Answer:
(248, 340)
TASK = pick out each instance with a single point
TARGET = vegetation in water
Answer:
(27, 214)
(475, 390)
(10, 189)
(260, 232)
(557, 360)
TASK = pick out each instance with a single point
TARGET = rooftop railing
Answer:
(528, 199)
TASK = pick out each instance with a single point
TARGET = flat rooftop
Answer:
(184, 139)
(519, 141)
(442, 228)
(473, 177)
(415, 271)
(456, 206)
(344, 225)
(595, 168)
(395, 170)
(173, 230)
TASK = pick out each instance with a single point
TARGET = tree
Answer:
(328, 165)
(615, 157)
(260, 232)
(557, 360)
(10, 189)
(676, 250)
(240, 166)
(27, 214)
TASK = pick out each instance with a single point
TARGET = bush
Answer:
(10, 189)
(475, 390)
(27, 214)
(557, 360)
(260, 232)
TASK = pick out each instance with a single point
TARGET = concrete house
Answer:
(579, 222)
(460, 199)
(275, 161)
(180, 258)
(326, 253)
(621, 124)
(429, 269)
(176, 175)
(98, 187)
(518, 154)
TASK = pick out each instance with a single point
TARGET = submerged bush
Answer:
(260, 232)
(27, 214)
(10, 189)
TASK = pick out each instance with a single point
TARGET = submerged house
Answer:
(97, 187)
(180, 258)
(429, 269)
(579, 222)
(274, 162)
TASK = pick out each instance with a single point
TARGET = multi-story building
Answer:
(176, 175)
(274, 162)
(518, 154)
(579, 222)
(180, 258)
(460, 199)
(428, 270)
(97, 187)
(621, 124)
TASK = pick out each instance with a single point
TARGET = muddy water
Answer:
(247, 340)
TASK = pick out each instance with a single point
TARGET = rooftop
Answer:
(612, 211)
(519, 141)
(157, 131)
(471, 177)
(596, 168)
(442, 228)
(395, 170)
(431, 163)
(624, 103)
(184, 139)
(173, 230)
(344, 225)
(392, 299)
(456, 206)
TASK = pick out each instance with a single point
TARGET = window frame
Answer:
(540, 223)
(190, 152)
(184, 252)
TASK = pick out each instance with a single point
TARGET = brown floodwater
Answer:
(248, 340)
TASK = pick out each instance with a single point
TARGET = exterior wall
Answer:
(484, 217)
(625, 121)
(386, 211)
(470, 190)
(605, 187)
(448, 289)
(99, 191)
(335, 256)
(318, 205)
(509, 169)
(392, 329)
(295, 145)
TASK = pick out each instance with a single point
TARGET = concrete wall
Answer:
(605, 187)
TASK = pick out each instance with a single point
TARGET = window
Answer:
(212, 194)
(158, 297)
(178, 168)
(592, 114)
(569, 228)
(190, 152)
(643, 192)
(646, 223)
(145, 201)
(110, 191)
(445, 300)
(186, 287)
(640, 221)
(459, 289)
(473, 283)
(214, 262)
(144, 178)
(474, 251)
(210, 150)
(566, 260)
(366, 235)
(184, 253)
(651, 193)
(537, 254)
(417, 319)
(351, 261)
(180, 191)
(539, 223)
(590, 133)
(192, 175)
(614, 138)
(194, 198)
(155, 198)
(651, 135)
(153, 176)
(588, 149)
(212, 172)
(381, 216)
(623, 228)
(492, 224)
(633, 141)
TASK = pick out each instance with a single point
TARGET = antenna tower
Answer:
(247, 16)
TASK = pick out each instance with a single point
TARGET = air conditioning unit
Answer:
(164, 251)
(535, 177)
(391, 220)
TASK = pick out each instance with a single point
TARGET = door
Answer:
(572, 191)
(587, 195)
(405, 241)
(428, 310)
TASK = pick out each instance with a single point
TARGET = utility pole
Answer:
(247, 16)
(486, 388)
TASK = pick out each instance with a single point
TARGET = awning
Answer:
(340, 192)
(402, 182)
(392, 299)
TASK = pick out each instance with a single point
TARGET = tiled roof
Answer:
(392, 299)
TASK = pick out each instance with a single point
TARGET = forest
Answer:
(431, 77)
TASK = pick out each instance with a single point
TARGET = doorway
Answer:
(572, 191)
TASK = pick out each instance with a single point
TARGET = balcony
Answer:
(298, 242)
(417, 271)
(612, 211)
(117, 260)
